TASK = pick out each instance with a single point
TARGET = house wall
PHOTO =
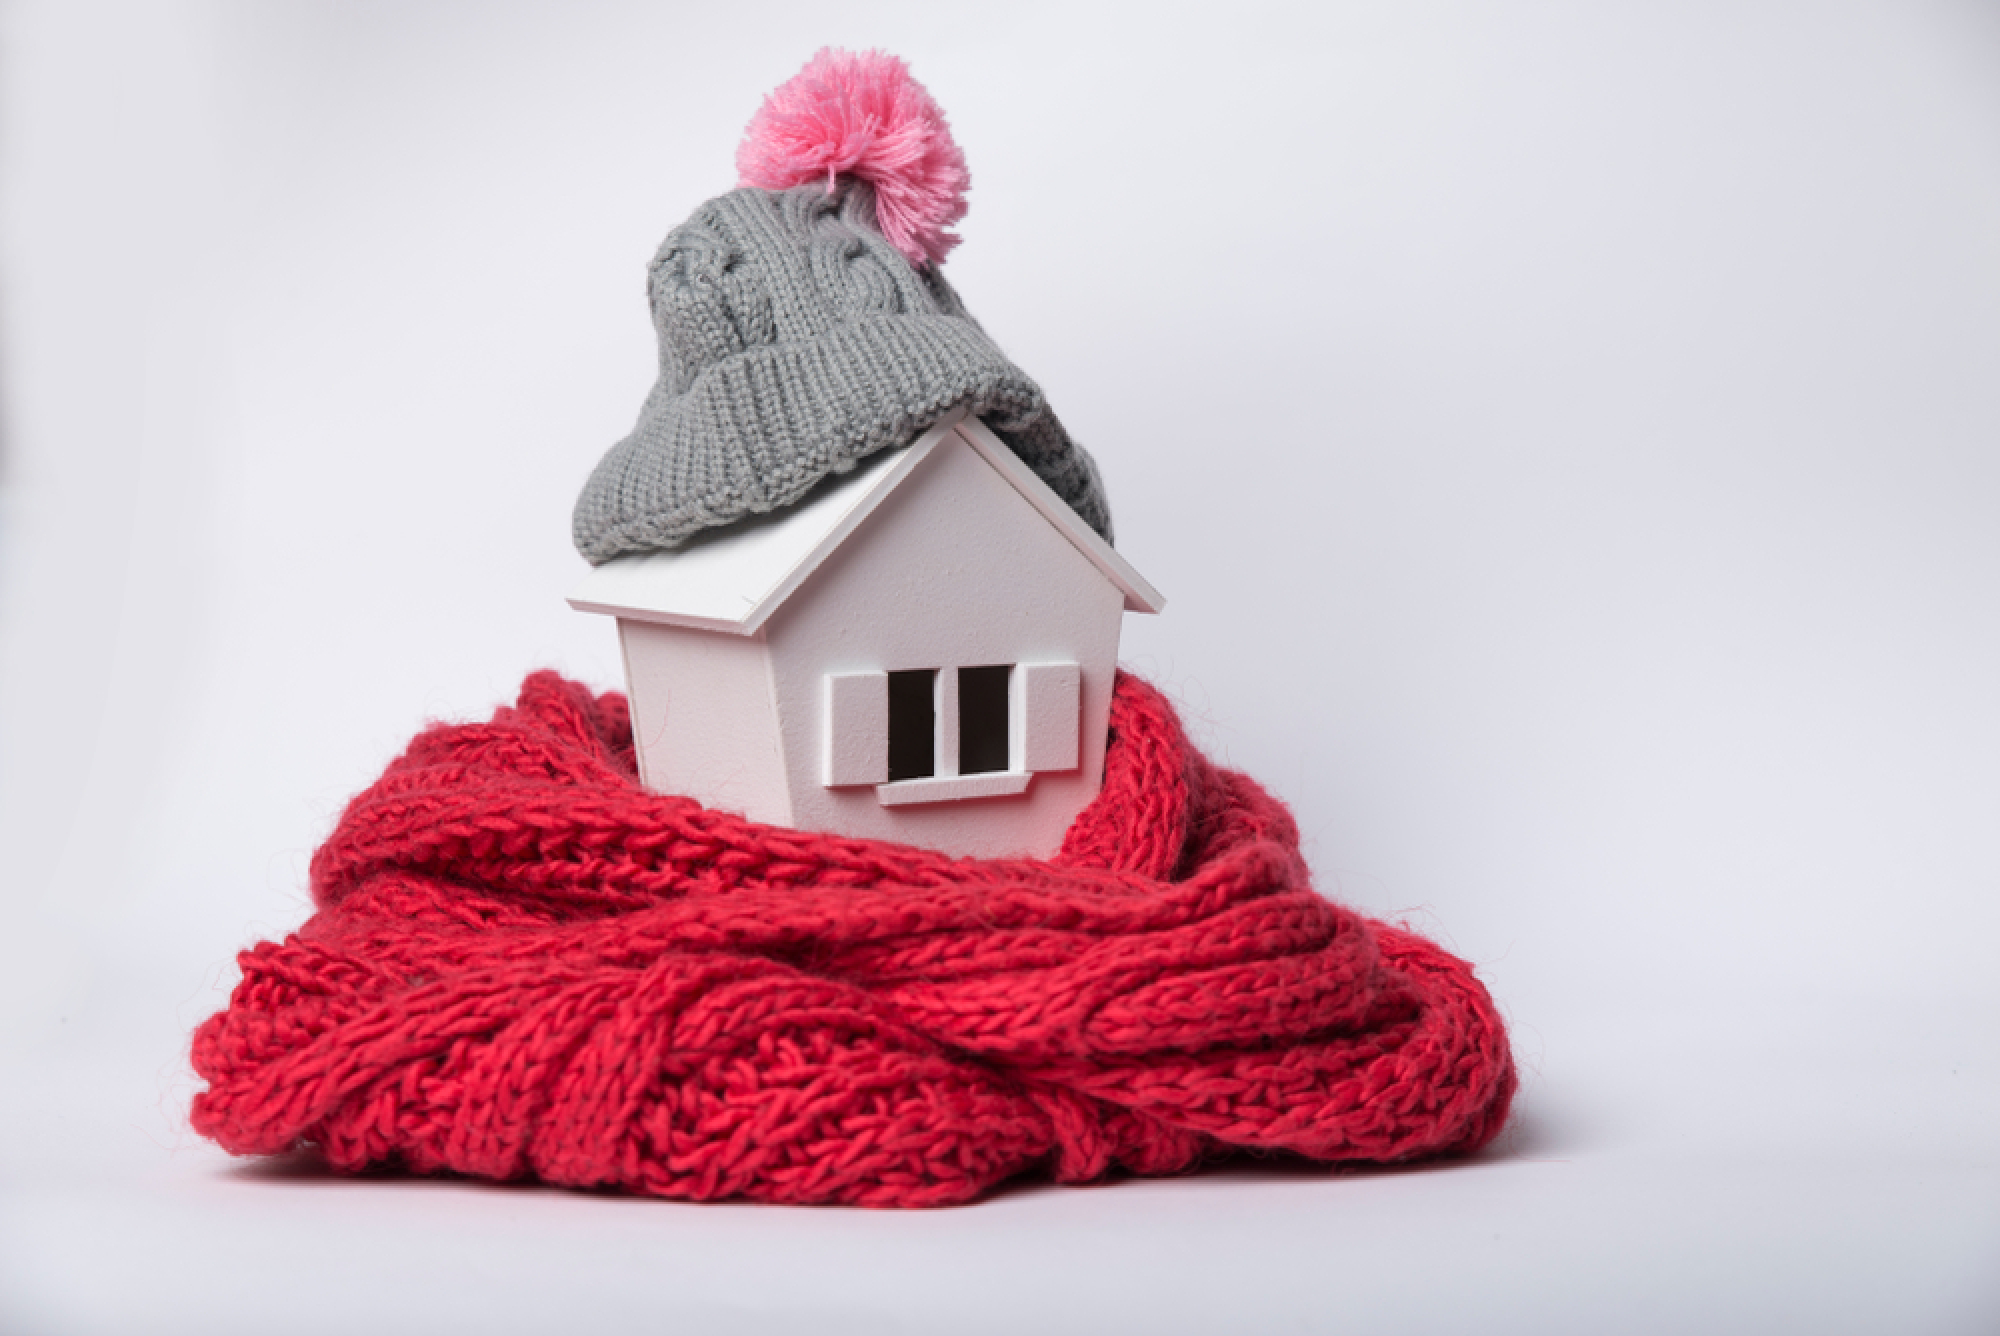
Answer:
(726, 750)
(954, 569)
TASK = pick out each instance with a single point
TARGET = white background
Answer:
(1568, 438)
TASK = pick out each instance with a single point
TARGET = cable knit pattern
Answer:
(525, 965)
(794, 342)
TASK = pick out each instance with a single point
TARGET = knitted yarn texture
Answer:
(524, 965)
(863, 115)
(795, 341)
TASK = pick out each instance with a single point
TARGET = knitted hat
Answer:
(804, 322)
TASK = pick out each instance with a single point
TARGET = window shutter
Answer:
(857, 729)
(1051, 695)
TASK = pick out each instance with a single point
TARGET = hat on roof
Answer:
(804, 322)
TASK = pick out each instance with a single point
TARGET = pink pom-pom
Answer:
(863, 116)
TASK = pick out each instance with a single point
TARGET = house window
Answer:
(935, 735)
(983, 738)
(913, 724)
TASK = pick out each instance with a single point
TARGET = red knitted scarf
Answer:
(525, 965)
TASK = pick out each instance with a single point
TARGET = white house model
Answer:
(921, 650)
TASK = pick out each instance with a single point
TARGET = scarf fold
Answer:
(524, 965)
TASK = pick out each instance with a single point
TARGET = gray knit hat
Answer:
(794, 341)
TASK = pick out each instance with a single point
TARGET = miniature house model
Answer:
(921, 650)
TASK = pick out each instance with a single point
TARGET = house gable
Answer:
(1140, 596)
(956, 570)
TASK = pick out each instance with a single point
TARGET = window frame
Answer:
(1044, 725)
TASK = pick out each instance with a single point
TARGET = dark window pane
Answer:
(982, 719)
(913, 724)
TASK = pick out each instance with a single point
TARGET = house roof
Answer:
(733, 579)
